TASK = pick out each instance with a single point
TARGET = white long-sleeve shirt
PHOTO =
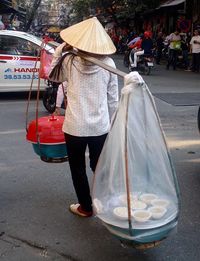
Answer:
(92, 95)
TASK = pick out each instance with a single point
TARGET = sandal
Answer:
(77, 210)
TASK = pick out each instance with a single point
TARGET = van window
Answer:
(12, 45)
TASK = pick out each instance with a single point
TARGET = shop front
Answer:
(13, 15)
(167, 17)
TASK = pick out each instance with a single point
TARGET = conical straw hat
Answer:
(89, 36)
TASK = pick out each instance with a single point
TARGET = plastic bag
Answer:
(45, 64)
(135, 191)
(177, 45)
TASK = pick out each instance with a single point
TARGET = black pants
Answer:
(195, 62)
(173, 56)
(158, 55)
(76, 147)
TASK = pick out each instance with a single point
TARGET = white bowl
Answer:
(157, 212)
(141, 215)
(148, 197)
(121, 212)
(137, 204)
(160, 203)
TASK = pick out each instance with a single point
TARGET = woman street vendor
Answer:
(92, 98)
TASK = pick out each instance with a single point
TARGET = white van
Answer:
(18, 56)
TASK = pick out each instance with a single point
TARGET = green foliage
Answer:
(118, 9)
(82, 8)
(31, 11)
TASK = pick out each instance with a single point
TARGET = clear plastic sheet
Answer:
(135, 185)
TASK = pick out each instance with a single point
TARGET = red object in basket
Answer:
(45, 64)
(49, 130)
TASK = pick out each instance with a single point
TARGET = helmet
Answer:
(147, 34)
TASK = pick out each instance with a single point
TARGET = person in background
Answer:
(174, 47)
(147, 43)
(159, 47)
(46, 38)
(135, 46)
(185, 51)
(137, 40)
(123, 36)
(131, 36)
(195, 50)
(92, 98)
(2, 26)
(146, 47)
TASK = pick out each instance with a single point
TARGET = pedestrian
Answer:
(92, 98)
(174, 48)
(195, 50)
(159, 47)
(185, 51)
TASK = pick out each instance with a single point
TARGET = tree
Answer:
(31, 13)
(117, 9)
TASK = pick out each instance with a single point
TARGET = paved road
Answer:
(35, 223)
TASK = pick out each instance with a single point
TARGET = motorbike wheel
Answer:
(132, 69)
(126, 59)
(49, 99)
(198, 119)
(147, 70)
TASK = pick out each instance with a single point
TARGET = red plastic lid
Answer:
(49, 130)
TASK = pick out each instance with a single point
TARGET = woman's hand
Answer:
(64, 47)
(57, 111)
(67, 47)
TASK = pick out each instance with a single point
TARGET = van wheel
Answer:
(126, 59)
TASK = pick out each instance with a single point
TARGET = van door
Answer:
(19, 63)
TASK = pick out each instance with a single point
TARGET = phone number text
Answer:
(19, 77)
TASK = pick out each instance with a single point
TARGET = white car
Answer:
(18, 56)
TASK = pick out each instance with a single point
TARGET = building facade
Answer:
(53, 12)
(172, 14)
(195, 13)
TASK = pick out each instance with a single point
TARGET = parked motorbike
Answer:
(49, 96)
(144, 64)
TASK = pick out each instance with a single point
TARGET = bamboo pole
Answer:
(126, 169)
(99, 63)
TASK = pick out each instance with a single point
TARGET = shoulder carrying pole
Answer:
(99, 63)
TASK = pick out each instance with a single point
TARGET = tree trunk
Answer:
(33, 11)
